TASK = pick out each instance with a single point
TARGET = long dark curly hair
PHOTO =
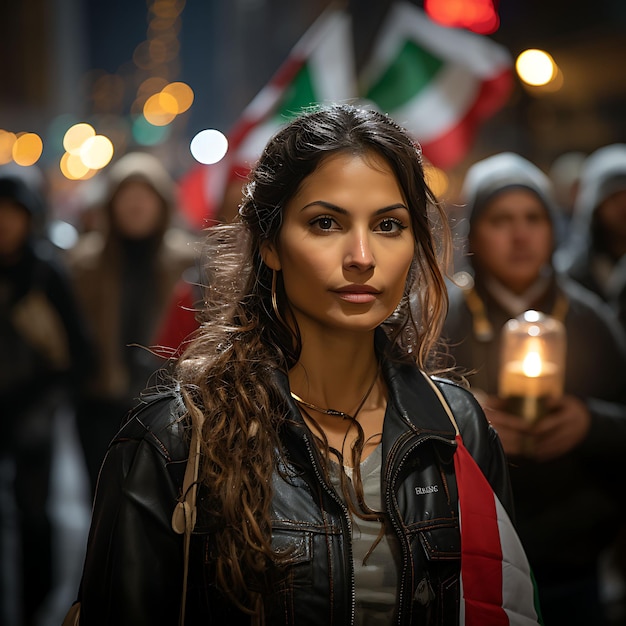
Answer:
(227, 369)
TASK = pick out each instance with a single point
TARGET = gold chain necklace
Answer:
(334, 412)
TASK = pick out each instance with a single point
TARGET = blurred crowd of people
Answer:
(78, 329)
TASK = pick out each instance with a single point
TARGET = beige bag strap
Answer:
(184, 516)
(443, 401)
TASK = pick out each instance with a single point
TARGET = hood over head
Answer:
(145, 168)
(503, 172)
(603, 174)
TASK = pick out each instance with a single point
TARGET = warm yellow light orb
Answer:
(72, 166)
(96, 152)
(536, 67)
(27, 149)
(182, 93)
(7, 140)
(160, 109)
(76, 135)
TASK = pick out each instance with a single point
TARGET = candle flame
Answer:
(532, 365)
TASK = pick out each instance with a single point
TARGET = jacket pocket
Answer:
(292, 546)
(441, 543)
(436, 593)
(303, 586)
(292, 571)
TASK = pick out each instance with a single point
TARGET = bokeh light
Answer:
(479, 16)
(72, 167)
(96, 152)
(209, 146)
(182, 93)
(76, 136)
(27, 149)
(160, 109)
(7, 140)
(536, 67)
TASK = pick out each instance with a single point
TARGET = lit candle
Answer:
(533, 357)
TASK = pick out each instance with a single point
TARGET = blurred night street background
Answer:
(65, 61)
(66, 64)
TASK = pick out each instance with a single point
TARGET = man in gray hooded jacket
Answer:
(565, 466)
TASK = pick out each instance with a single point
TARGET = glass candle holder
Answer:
(532, 364)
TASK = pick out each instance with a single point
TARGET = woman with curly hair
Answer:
(324, 489)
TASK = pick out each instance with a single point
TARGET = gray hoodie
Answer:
(603, 174)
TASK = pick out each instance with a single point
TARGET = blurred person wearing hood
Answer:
(125, 277)
(595, 255)
(44, 357)
(565, 468)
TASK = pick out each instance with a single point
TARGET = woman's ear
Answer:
(270, 257)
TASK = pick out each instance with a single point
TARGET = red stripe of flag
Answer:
(449, 148)
(250, 117)
(481, 550)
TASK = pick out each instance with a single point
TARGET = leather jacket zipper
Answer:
(348, 522)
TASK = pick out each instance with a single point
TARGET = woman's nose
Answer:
(359, 254)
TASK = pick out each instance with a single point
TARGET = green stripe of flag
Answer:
(299, 95)
(405, 76)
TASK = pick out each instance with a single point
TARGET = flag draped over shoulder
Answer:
(497, 585)
(319, 69)
(439, 83)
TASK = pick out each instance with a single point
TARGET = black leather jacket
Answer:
(134, 563)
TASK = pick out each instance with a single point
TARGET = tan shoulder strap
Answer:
(483, 330)
(184, 515)
(443, 401)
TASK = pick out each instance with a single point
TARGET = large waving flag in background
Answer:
(319, 69)
(440, 83)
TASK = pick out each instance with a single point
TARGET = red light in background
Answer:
(479, 16)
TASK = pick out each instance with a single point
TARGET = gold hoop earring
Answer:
(275, 299)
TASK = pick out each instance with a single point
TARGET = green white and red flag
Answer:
(497, 584)
(439, 83)
(318, 70)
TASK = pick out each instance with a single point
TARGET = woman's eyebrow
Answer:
(341, 211)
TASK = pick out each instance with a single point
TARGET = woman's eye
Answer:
(323, 223)
(391, 226)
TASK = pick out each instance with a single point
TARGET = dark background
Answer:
(54, 53)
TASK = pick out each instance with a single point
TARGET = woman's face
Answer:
(345, 246)
(137, 210)
(511, 239)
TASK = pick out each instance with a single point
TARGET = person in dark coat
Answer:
(125, 276)
(565, 467)
(44, 356)
(595, 254)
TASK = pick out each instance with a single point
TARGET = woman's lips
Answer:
(357, 294)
